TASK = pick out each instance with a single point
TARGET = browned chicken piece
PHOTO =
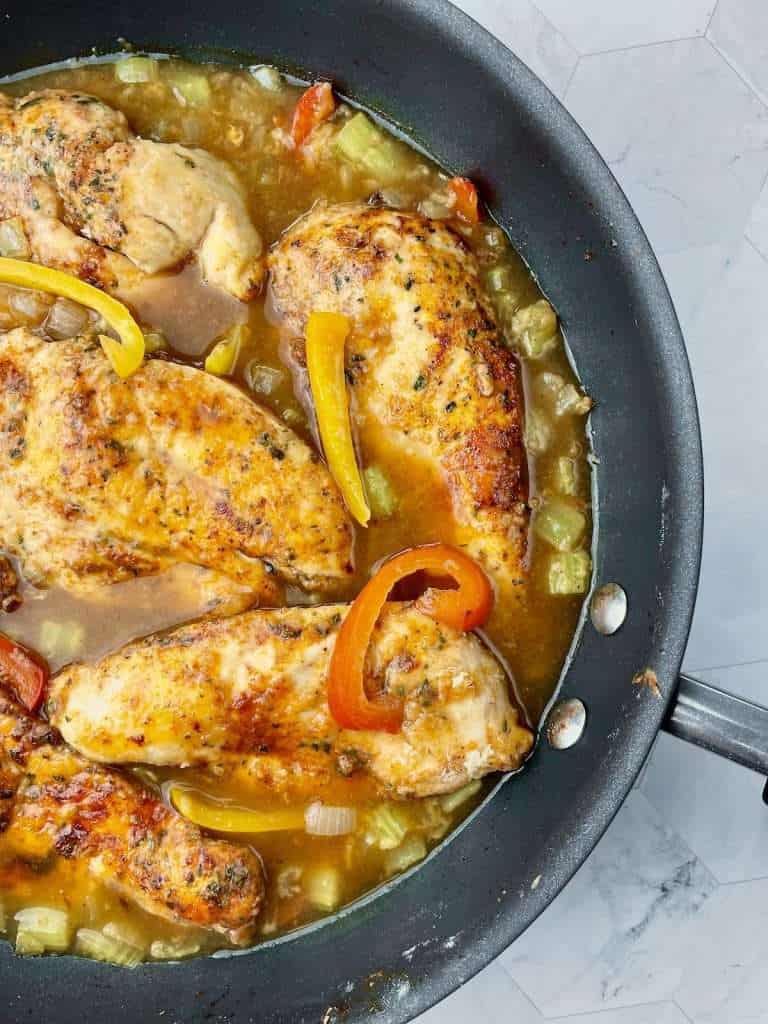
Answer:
(432, 380)
(103, 479)
(56, 806)
(249, 693)
(100, 203)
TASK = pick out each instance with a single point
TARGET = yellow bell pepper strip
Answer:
(221, 818)
(222, 359)
(126, 355)
(326, 335)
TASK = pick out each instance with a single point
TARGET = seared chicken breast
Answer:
(249, 692)
(103, 479)
(430, 376)
(57, 807)
(100, 203)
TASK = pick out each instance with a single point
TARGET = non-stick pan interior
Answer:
(481, 112)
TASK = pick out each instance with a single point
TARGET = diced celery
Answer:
(27, 944)
(288, 881)
(263, 379)
(322, 886)
(43, 925)
(568, 572)
(133, 70)
(410, 851)
(154, 341)
(386, 825)
(534, 329)
(222, 359)
(13, 239)
(127, 933)
(60, 641)
(267, 77)
(173, 949)
(190, 88)
(98, 946)
(366, 145)
(560, 524)
(452, 801)
(566, 476)
(538, 433)
(382, 499)
(433, 821)
(498, 278)
(294, 418)
(567, 399)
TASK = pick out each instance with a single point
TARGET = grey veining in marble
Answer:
(667, 922)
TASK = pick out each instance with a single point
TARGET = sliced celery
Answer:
(322, 887)
(568, 572)
(560, 524)
(189, 87)
(452, 801)
(154, 341)
(173, 949)
(98, 946)
(534, 329)
(134, 70)
(60, 641)
(410, 851)
(498, 277)
(433, 821)
(381, 496)
(28, 944)
(222, 359)
(566, 476)
(13, 239)
(43, 925)
(538, 433)
(364, 144)
(386, 825)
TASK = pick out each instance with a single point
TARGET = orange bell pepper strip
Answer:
(326, 336)
(315, 106)
(22, 673)
(126, 355)
(465, 200)
(466, 607)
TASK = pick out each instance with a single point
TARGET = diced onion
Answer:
(263, 379)
(323, 820)
(267, 77)
(28, 305)
(66, 319)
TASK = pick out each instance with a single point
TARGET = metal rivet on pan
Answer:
(608, 608)
(566, 723)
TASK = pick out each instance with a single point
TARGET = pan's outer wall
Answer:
(484, 114)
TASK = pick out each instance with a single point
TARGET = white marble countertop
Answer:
(666, 922)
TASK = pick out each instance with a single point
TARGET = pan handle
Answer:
(727, 725)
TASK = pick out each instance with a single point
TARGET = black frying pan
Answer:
(481, 112)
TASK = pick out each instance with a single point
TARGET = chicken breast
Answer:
(103, 479)
(57, 808)
(431, 379)
(100, 203)
(249, 693)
